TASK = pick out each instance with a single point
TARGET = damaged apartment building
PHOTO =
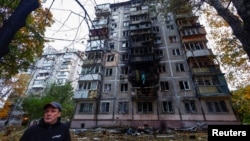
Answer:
(141, 70)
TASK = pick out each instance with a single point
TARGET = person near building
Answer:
(50, 127)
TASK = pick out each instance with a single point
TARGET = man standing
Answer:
(49, 127)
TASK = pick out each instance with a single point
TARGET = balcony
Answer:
(144, 94)
(85, 94)
(197, 38)
(38, 85)
(68, 56)
(48, 64)
(198, 53)
(44, 71)
(90, 62)
(94, 45)
(216, 91)
(42, 77)
(99, 31)
(90, 77)
(200, 71)
(65, 67)
(143, 58)
(102, 10)
(139, 12)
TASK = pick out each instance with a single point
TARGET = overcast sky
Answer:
(70, 29)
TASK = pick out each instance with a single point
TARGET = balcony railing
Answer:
(144, 94)
(85, 94)
(90, 77)
(198, 53)
(217, 91)
(206, 70)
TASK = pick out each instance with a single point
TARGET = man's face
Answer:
(51, 115)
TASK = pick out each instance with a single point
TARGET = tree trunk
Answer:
(16, 21)
(240, 26)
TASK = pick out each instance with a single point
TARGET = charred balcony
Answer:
(143, 76)
(140, 25)
(142, 32)
(145, 93)
(100, 33)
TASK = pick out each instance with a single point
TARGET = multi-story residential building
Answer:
(141, 70)
(55, 67)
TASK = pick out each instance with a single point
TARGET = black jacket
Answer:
(46, 132)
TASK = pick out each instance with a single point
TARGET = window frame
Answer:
(89, 106)
(123, 107)
(161, 68)
(176, 52)
(190, 106)
(164, 85)
(108, 71)
(125, 24)
(168, 107)
(124, 87)
(110, 58)
(184, 85)
(173, 39)
(105, 107)
(125, 56)
(216, 106)
(145, 107)
(107, 88)
(180, 67)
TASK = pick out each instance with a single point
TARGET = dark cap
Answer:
(53, 104)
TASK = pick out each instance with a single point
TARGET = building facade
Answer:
(56, 67)
(141, 70)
